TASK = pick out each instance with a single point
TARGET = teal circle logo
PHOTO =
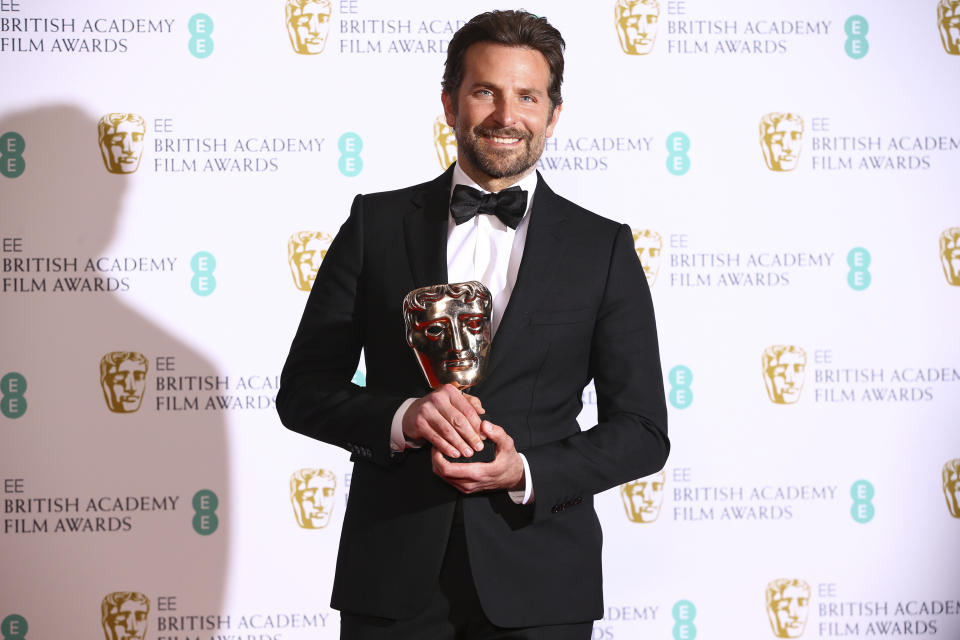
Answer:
(203, 264)
(350, 145)
(14, 627)
(858, 260)
(11, 154)
(862, 493)
(200, 26)
(856, 45)
(678, 144)
(205, 503)
(13, 404)
(681, 395)
(683, 614)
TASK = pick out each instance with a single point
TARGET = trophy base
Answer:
(486, 454)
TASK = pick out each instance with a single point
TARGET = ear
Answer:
(449, 108)
(553, 120)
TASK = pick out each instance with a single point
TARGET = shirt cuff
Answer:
(525, 496)
(398, 442)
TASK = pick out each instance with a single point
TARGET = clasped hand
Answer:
(451, 422)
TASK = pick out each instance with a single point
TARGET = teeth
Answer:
(504, 140)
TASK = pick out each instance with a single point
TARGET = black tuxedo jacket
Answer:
(580, 309)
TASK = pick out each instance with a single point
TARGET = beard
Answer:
(500, 163)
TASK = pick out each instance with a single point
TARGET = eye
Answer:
(473, 323)
(434, 331)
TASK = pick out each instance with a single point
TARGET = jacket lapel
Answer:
(425, 232)
(542, 251)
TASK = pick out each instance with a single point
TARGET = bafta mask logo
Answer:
(123, 378)
(445, 142)
(649, 245)
(780, 138)
(123, 615)
(788, 602)
(951, 486)
(305, 251)
(308, 25)
(950, 255)
(448, 326)
(642, 498)
(121, 141)
(948, 21)
(311, 494)
(783, 369)
(637, 22)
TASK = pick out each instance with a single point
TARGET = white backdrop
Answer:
(172, 479)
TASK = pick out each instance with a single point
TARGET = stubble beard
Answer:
(501, 163)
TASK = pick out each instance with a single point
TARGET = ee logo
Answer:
(11, 154)
(678, 144)
(862, 493)
(683, 614)
(201, 44)
(681, 395)
(13, 404)
(859, 277)
(350, 146)
(14, 627)
(205, 520)
(856, 45)
(202, 264)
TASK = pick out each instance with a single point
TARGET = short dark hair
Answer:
(511, 28)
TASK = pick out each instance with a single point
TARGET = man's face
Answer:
(309, 26)
(950, 30)
(315, 498)
(128, 621)
(648, 250)
(501, 113)
(451, 338)
(789, 612)
(786, 376)
(643, 498)
(638, 29)
(124, 386)
(123, 146)
(783, 145)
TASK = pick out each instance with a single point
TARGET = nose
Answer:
(456, 338)
(128, 383)
(126, 143)
(314, 25)
(504, 112)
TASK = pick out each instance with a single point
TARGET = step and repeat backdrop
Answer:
(173, 172)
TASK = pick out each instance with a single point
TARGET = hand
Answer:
(505, 472)
(447, 419)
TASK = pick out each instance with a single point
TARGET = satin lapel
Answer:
(425, 233)
(543, 250)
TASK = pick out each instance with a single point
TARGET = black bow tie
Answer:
(509, 205)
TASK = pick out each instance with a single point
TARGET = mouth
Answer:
(501, 137)
(460, 364)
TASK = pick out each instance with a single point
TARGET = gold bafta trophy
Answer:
(448, 327)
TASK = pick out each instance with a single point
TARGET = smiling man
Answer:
(435, 549)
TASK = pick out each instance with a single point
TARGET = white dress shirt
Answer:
(484, 249)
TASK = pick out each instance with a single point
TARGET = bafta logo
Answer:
(123, 615)
(123, 378)
(121, 141)
(642, 498)
(445, 142)
(783, 369)
(948, 21)
(305, 251)
(636, 22)
(950, 255)
(649, 245)
(951, 486)
(788, 602)
(780, 138)
(308, 25)
(311, 494)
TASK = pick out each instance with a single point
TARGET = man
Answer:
(432, 548)
(780, 138)
(123, 615)
(123, 379)
(121, 141)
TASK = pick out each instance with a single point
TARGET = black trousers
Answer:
(454, 612)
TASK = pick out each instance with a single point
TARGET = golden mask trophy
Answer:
(448, 327)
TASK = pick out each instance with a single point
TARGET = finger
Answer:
(463, 417)
(435, 429)
(462, 405)
(497, 435)
(475, 402)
